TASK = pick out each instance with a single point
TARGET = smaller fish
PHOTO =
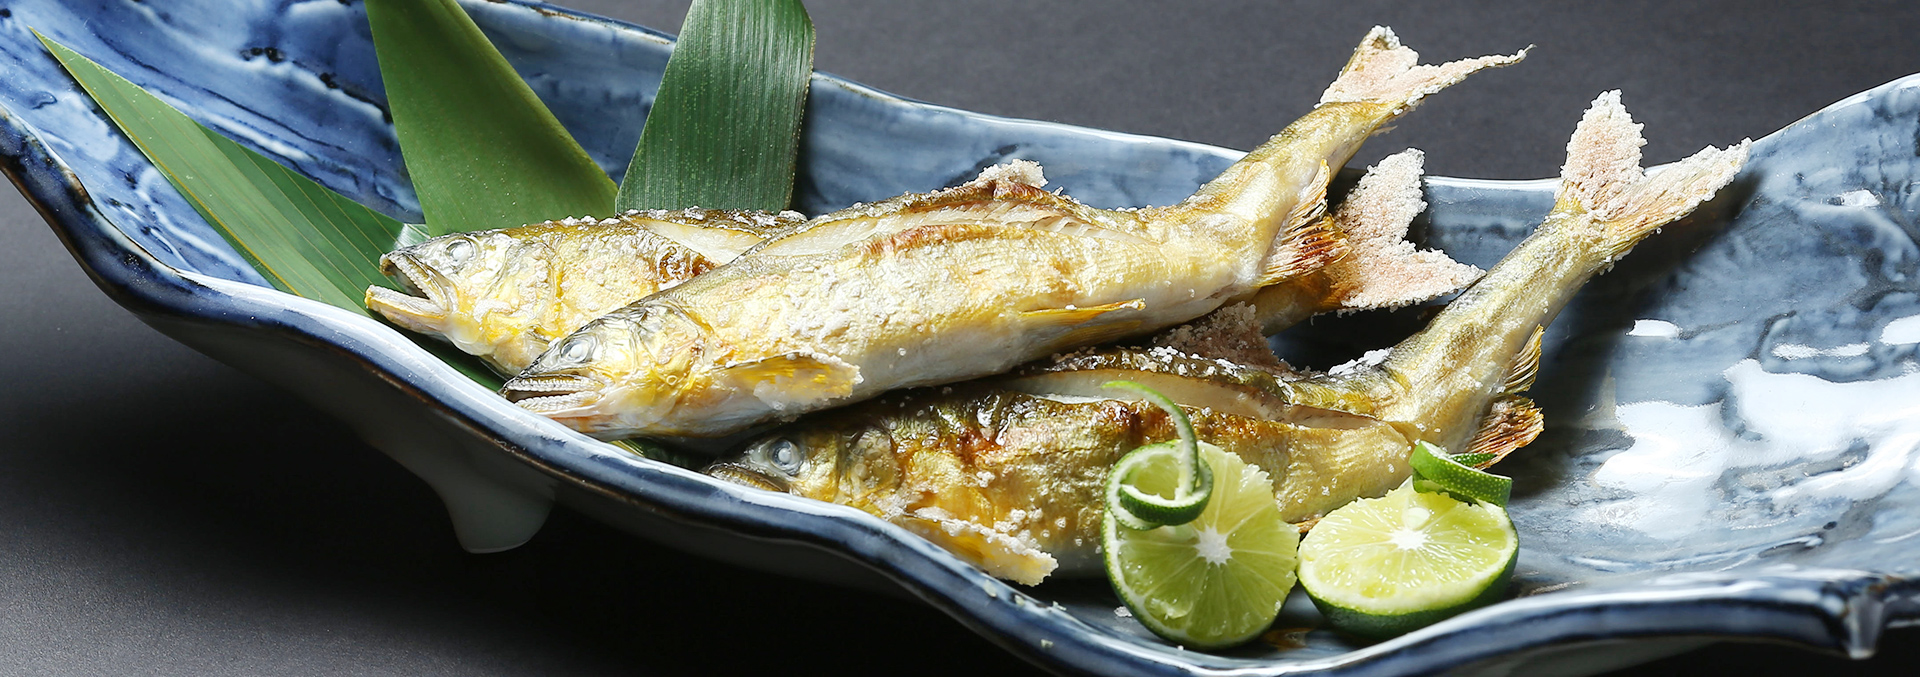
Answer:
(1010, 480)
(503, 295)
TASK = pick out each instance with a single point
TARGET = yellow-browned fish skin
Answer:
(503, 295)
(1011, 481)
(961, 283)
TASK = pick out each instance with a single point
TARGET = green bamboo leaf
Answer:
(300, 236)
(725, 126)
(482, 149)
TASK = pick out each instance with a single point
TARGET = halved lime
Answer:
(1216, 581)
(1384, 566)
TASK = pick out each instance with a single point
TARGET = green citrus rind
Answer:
(1433, 464)
(1146, 507)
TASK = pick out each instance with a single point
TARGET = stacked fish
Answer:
(986, 301)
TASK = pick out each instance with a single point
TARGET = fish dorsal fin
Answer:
(796, 380)
(1307, 241)
(1525, 366)
(715, 234)
(1510, 424)
(994, 201)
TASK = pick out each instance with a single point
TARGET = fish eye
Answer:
(460, 250)
(579, 348)
(784, 454)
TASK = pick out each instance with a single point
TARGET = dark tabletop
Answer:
(161, 513)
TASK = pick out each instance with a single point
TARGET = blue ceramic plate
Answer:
(1735, 450)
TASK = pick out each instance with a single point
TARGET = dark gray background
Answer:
(161, 513)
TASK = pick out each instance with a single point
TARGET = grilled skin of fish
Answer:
(503, 295)
(964, 282)
(1008, 474)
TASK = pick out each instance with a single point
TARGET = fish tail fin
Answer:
(1382, 269)
(1602, 177)
(1384, 71)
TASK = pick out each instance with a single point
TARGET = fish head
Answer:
(621, 375)
(449, 284)
(797, 459)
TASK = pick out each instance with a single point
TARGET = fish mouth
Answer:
(746, 475)
(421, 304)
(553, 394)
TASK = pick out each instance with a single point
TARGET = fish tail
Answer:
(1602, 177)
(1385, 72)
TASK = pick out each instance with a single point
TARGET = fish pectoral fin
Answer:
(796, 379)
(1000, 555)
(1525, 366)
(1073, 317)
(1511, 423)
(1308, 241)
(1083, 326)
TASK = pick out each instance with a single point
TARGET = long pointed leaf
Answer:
(482, 149)
(303, 238)
(725, 126)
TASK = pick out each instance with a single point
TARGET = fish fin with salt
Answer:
(797, 379)
(1511, 423)
(1383, 71)
(998, 554)
(1624, 203)
(1525, 366)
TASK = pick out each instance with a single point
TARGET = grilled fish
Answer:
(505, 294)
(1008, 474)
(964, 282)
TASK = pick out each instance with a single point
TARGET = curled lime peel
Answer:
(1434, 470)
(1138, 509)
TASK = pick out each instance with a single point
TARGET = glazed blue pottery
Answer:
(1735, 440)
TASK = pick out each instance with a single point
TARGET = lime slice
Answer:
(1216, 581)
(1381, 567)
(1447, 473)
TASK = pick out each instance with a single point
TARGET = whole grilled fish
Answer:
(1008, 474)
(505, 294)
(964, 282)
